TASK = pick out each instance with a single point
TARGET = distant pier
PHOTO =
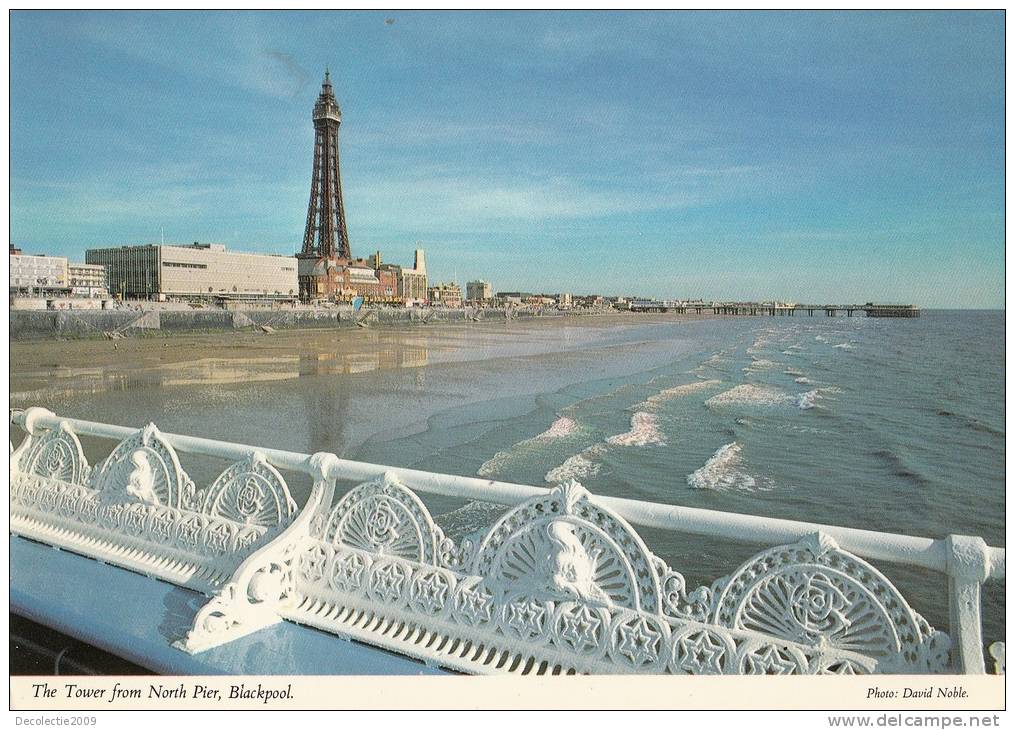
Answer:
(786, 310)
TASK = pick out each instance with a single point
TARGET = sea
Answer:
(882, 424)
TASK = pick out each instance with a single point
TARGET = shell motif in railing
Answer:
(139, 509)
(562, 585)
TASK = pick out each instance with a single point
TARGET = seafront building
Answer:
(195, 271)
(38, 275)
(513, 297)
(445, 295)
(412, 282)
(88, 280)
(478, 291)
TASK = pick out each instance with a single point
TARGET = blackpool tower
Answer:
(326, 235)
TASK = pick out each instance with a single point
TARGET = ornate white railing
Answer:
(561, 583)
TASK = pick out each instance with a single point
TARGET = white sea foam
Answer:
(495, 463)
(843, 346)
(749, 394)
(820, 338)
(805, 401)
(724, 470)
(810, 399)
(795, 373)
(760, 342)
(644, 432)
(758, 363)
(583, 465)
(559, 429)
(678, 391)
(579, 466)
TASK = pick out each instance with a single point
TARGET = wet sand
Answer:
(36, 363)
(329, 390)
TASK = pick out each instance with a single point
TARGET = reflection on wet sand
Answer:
(60, 382)
(334, 363)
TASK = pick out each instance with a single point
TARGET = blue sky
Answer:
(811, 157)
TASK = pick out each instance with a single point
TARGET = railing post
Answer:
(968, 567)
(254, 596)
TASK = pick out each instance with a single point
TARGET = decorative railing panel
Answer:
(139, 509)
(560, 584)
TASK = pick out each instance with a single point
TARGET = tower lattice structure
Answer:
(326, 234)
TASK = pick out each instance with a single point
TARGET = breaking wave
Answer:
(644, 432)
(758, 363)
(807, 400)
(725, 470)
(559, 429)
(676, 392)
(563, 426)
(583, 465)
(579, 466)
(749, 394)
(843, 346)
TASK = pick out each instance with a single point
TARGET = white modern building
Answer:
(197, 270)
(39, 275)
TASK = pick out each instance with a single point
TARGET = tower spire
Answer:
(326, 235)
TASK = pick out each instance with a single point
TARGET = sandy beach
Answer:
(36, 363)
(330, 389)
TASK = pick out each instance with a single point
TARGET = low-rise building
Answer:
(39, 275)
(195, 271)
(589, 300)
(513, 297)
(88, 280)
(341, 280)
(445, 295)
(478, 291)
(373, 284)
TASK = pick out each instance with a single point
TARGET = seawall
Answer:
(76, 324)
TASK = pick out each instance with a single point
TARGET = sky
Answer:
(810, 157)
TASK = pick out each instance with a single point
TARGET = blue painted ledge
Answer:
(137, 618)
